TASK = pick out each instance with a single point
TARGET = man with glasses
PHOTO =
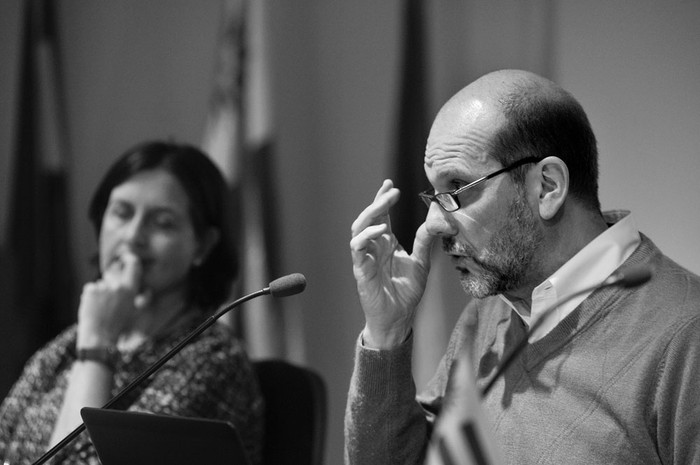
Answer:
(600, 373)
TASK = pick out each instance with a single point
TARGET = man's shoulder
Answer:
(666, 272)
(670, 277)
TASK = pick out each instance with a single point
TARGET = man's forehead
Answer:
(463, 129)
(474, 145)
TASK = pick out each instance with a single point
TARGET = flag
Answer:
(38, 277)
(408, 175)
(238, 137)
(463, 432)
(413, 127)
(443, 299)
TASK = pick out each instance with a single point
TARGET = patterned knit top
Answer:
(211, 378)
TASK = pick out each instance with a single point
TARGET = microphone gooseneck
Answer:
(280, 287)
(627, 278)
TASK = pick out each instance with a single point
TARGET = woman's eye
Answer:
(164, 221)
(119, 210)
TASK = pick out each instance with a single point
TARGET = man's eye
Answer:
(457, 184)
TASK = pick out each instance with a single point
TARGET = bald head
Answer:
(499, 90)
(498, 83)
(518, 114)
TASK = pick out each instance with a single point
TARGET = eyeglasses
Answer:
(449, 200)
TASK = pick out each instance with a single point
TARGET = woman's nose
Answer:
(439, 222)
(136, 231)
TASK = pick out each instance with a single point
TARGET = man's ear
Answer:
(208, 241)
(552, 178)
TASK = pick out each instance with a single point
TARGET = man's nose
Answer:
(439, 222)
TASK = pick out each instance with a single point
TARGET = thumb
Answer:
(423, 246)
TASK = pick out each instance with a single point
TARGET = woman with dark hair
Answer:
(165, 262)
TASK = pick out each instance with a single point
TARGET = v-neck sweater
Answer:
(616, 382)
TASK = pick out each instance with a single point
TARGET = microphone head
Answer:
(288, 285)
(632, 277)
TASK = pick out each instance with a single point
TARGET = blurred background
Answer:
(134, 70)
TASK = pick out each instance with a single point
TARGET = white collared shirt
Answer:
(590, 266)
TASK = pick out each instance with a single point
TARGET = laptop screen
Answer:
(144, 438)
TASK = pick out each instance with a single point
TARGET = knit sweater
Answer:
(211, 378)
(616, 382)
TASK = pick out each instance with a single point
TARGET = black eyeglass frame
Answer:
(449, 201)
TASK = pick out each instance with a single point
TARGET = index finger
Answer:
(378, 211)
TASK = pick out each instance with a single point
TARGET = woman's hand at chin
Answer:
(109, 306)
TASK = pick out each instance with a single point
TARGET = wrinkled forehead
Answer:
(463, 128)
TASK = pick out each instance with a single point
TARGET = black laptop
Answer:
(137, 438)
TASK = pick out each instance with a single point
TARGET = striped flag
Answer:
(432, 326)
(444, 299)
(463, 434)
(413, 127)
(238, 137)
(38, 276)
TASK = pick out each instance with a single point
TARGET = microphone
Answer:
(281, 287)
(287, 285)
(630, 277)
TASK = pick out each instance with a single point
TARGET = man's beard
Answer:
(503, 264)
